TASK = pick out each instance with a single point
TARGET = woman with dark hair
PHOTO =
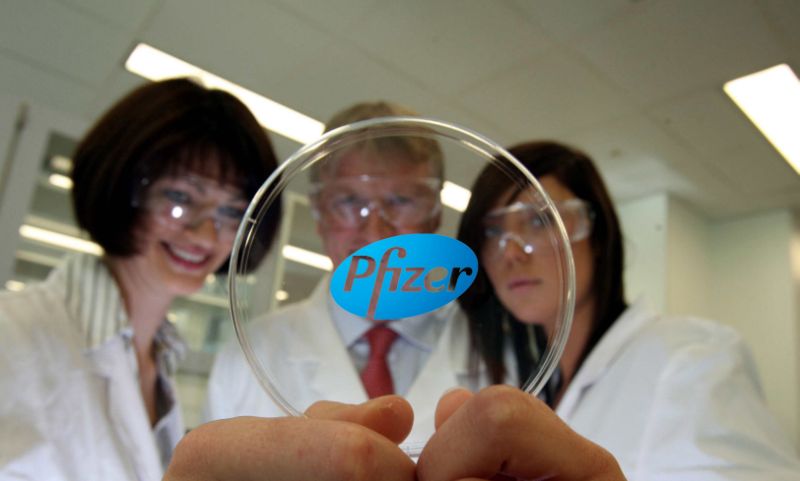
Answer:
(161, 182)
(669, 398)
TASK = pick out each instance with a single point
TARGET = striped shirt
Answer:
(94, 301)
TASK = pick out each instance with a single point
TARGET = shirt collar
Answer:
(422, 330)
(94, 301)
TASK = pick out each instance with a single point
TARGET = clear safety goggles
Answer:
(529, 226)
(185, 202)
(347, 202)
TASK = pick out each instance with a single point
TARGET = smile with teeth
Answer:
(186, 256)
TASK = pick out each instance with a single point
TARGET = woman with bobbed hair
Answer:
(670, 398)
(161, 182)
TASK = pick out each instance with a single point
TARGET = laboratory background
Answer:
(710, 207)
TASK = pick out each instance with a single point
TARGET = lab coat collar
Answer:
(421, 331)
(315, 349)
(94, 302)
(625, 328)
(124, 408)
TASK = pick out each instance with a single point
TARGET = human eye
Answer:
(492, 231)
(537, 222)
(177, 196)
(230, 212)
(400, 200)
(346, 201)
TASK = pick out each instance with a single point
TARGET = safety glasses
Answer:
(347, 202)
(527, 226)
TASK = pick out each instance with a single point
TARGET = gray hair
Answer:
(417, 149)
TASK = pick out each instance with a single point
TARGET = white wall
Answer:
(688, 265)
(644, 232)
(744, 272)
(754, 291)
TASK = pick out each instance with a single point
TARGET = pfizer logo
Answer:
(404, 276)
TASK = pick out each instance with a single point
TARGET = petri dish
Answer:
(347, 199)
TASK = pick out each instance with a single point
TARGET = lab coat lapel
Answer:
(604, 353)
(324, 359)
(439, 375)
(125, 409)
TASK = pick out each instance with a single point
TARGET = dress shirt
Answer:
(416, 338)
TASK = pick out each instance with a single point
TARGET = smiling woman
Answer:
(161, 182)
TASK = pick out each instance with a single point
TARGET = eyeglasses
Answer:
(185, 202)
(528, 225)
(347, 202)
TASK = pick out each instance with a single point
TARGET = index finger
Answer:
(390, 416)
(289, 449)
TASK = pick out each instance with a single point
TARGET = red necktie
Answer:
(376, 376)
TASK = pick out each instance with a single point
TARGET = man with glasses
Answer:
(375, 189)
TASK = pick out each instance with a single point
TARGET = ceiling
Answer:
(635, 83)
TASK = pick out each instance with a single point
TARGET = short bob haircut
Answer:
(165, 128)
(576, 171)
(417, 149)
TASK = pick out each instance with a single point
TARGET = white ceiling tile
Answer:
(256, 44)
(23, 80)
(675, 46)
(337, 16)
(457, 114)
(782, 17)
(713, 126)
(284, 147)
(757, 168)
(707, 120)
(548, 95)
(635, 82)
(638, 158)
(575, 18)
(340, 76)
(62, 39)
(120, 13)
(448, 45)
(116, 85)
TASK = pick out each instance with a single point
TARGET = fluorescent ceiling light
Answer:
(281, 295)
(60, 181)
(455, 196)
(771, 100)
(59, 240)
(307, 257)
(14, 286)
(61, 163)
(154, 64)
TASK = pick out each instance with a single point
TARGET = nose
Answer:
(203, 231)
(514, 249)
(375, 226)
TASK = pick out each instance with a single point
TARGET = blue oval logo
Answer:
(403, 276)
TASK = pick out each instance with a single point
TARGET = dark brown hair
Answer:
(576, 171)
(162, 128)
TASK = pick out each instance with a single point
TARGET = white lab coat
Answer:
(671, 399)
(309, 362)
(68, 412)
(677, 399)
